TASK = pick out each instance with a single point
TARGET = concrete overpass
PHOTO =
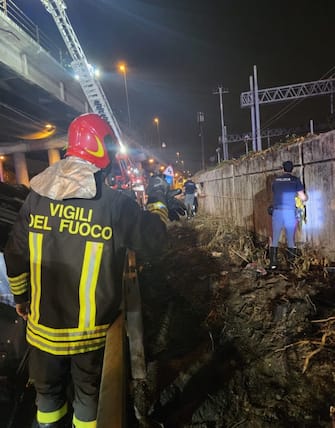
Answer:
(38, 96)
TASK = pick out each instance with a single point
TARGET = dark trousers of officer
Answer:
(51, 373)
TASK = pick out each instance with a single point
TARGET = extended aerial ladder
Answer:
(89, 84)
(92, 88)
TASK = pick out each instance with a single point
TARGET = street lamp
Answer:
(123, 69)
(156, 121)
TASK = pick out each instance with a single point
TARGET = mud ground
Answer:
(229, 344)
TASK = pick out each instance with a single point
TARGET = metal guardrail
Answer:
(118, 351)
(112, 400)
(9, 10)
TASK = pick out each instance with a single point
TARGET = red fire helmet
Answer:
(87, 138)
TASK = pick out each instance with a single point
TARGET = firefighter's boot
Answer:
(273, 253)
(59, 424)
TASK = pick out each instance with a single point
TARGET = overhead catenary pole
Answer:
(220, 91)
(311, 126)
(252, 113)
(201, 120)
(255, 97)
(257, 113)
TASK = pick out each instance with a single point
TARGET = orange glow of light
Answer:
(48, 131)
(122, 67)
(156, 120)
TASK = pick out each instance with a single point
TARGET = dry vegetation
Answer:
(230, 344)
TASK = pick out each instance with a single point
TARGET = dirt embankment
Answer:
(229, 344)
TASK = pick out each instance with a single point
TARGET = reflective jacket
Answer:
(66, 257)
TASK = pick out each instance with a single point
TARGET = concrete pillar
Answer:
(21, 170)
(53, 155)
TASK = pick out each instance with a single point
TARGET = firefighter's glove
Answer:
(176, 208)
(157, 191)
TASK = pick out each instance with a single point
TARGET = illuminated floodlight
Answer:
(94, 70)
(123, 148)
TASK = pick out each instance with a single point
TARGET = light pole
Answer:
(123, 69)
(201, 120)
(156, 121)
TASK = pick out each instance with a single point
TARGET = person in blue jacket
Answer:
(285, 188)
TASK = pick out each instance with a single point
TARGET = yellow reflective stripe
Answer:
(81, 424)
(50, 417)
(67, 334)
(65, 348)
(88, 284)
(19, 284)
(35, 248)
(160, 209)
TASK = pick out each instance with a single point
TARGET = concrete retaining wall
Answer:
(239, 191)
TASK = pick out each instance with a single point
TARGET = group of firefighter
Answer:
(65, 258)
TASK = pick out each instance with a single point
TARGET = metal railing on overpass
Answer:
(9, 10)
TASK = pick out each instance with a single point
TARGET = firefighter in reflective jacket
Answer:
(64, 262)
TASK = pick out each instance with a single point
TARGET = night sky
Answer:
(179, 51)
